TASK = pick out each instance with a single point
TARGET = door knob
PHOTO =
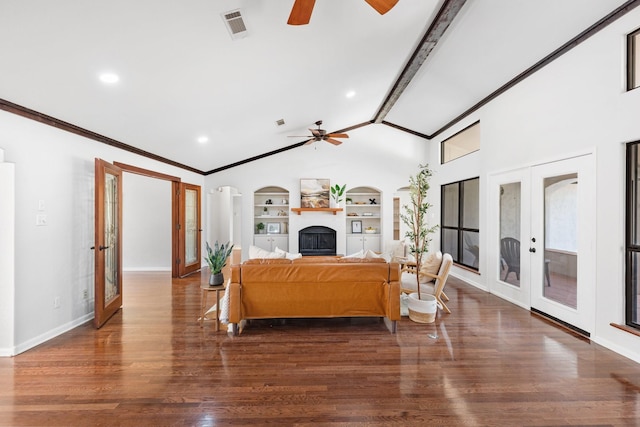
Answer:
(533, 239)
(533, 250)
(103, 247)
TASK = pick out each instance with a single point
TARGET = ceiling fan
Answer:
(301, 11)
(322, 135)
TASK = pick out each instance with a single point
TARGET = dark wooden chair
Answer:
(510, 252)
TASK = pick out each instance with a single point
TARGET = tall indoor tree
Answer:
(415, 218)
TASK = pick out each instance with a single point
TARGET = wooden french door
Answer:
(108, 241)
(188, 228)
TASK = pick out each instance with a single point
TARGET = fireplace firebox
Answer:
(317, 240)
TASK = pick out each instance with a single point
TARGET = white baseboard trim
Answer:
(616, 348)
(143, 269)
(21, 348)
(471, 282)
(7, 352)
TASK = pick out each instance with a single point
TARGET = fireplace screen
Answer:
(317, 240)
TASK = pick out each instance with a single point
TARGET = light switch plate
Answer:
(41, 219)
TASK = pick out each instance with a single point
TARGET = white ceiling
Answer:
(182, 75)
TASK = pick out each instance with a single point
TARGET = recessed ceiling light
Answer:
(109, 78)
(202, 139)
(351, 94)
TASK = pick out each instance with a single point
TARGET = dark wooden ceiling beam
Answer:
(443, 19)
(592, 30)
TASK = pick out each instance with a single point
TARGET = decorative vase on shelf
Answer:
(336, 195)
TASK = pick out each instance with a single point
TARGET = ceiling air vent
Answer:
(235, 24)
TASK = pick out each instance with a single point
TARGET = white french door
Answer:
(508, 259)
(562, 241)
(542, 253)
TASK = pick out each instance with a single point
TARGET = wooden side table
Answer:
(205, 290)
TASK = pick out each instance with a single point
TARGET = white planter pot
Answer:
(422, 310)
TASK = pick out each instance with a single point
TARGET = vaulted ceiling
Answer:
(182, 75)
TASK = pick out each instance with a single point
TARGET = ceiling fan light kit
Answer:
(322, 135)
(301, 10)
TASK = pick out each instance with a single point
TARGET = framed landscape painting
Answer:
(314, 193)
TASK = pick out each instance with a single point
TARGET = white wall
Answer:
(374, 156)
(55, 260)
(576, 104)
(7, 258)
(146, 223)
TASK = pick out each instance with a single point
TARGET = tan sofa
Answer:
(313, 287)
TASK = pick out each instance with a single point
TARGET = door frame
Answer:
(179, 193)
(581, 318)
(587, 264)
(175, 209)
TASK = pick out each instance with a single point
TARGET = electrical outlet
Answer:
(56, 302)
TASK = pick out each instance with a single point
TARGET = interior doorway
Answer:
(542, 251)
(186, 211)
(146, 224)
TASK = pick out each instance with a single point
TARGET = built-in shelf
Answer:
(332, 210)
(271, 214)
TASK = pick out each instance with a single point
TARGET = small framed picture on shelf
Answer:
(356, 227)
(273, 228)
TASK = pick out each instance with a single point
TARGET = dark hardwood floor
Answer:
(492, 364)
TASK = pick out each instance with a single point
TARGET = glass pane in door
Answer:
(561, 239)
(191, 224)
(509, 263)
(111, 283)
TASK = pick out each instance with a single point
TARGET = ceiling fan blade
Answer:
(301, 12)
(337, 135)
(333, 141)
(309, 141)
(382, 6)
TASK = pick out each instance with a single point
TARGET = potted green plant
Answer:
(337, 192)
(415, 217)
(217, 259)
(260, 227)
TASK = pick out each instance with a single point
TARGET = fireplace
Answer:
(317, 240)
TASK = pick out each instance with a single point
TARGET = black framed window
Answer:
(460, 228)
(633, 60)
(632, 240)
